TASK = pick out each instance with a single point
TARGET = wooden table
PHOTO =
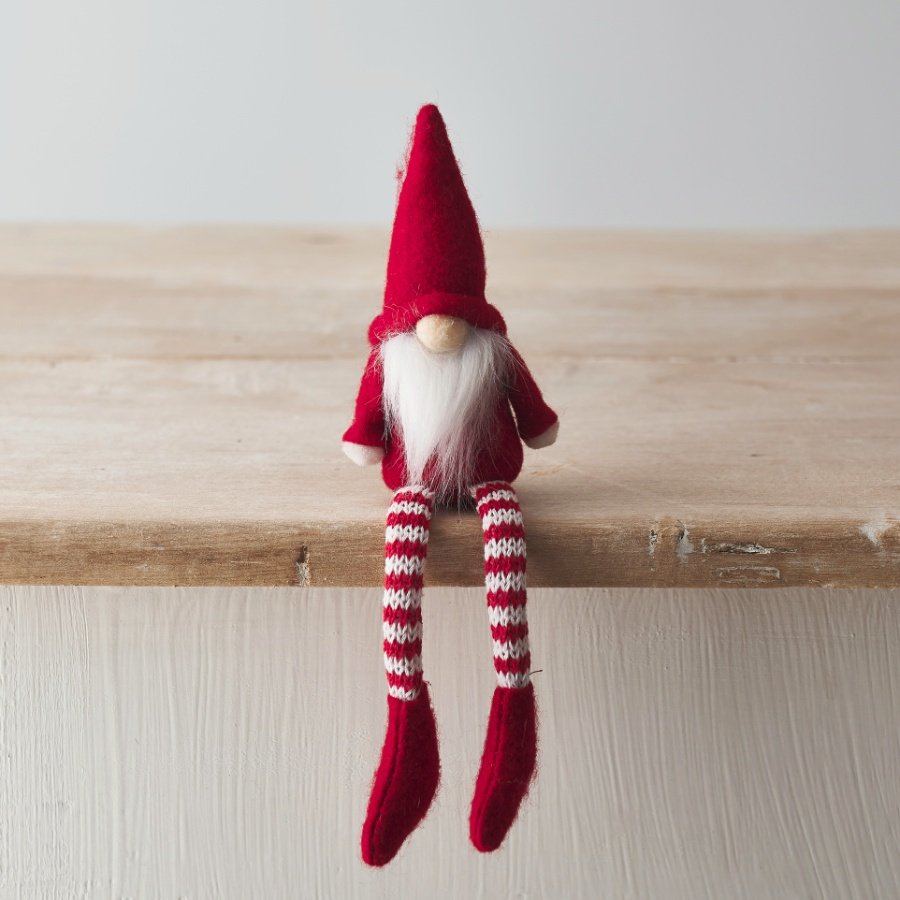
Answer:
(172, 401)
(171, 407)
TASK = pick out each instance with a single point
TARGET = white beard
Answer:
(444, 404)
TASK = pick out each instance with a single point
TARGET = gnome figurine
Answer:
(444, 405)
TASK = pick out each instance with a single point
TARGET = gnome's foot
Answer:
(507, 766)
(406, 779)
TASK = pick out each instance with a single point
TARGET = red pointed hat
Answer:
(436, 260)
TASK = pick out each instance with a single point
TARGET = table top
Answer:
(172, 402)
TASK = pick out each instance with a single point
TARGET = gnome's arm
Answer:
(538, 425)
(363, 441)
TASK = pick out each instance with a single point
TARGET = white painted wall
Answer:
(218, 744)
(579, 113)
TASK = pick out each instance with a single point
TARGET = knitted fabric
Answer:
(408, 772)
(504, 576)
(436, 266)
(405, 546)
(407, 776)
(436, 259)
(510, 748)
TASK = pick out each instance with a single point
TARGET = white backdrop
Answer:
(700, 113)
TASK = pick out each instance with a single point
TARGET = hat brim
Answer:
(397, 320)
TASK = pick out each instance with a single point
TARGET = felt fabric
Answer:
(510, 748)
(407, 775)
(406, 779)
(367, 427)
(502, 461)
(436, 258)
(436, 265)
(507, 766)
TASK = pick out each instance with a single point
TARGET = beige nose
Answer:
(442, 334)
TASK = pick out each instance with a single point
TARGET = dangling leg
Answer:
(407, 776)
(510, 749)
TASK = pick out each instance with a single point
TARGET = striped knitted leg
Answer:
(405, 546)
(407, 776)
(510, 748)
(504, 576)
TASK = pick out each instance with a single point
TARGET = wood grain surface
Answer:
(172, 400)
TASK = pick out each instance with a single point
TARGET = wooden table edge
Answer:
(659, 552)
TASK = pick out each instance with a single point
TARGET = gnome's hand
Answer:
(361, 454)
(545, 439)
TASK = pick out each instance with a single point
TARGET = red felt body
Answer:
(500, 462)
(507, 766)
(406, 779)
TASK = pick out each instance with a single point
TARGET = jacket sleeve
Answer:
(367, 427)
(533, 416)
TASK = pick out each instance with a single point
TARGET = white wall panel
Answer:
(162, 743)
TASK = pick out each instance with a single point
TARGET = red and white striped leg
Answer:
(504, 576)
(510, 748)
(405, 546)
(407, 776)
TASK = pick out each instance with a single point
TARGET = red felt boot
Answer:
(406, 780)
(507, 766)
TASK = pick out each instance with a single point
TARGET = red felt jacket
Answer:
(500, 462)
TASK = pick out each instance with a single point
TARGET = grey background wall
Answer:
(777, 113)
